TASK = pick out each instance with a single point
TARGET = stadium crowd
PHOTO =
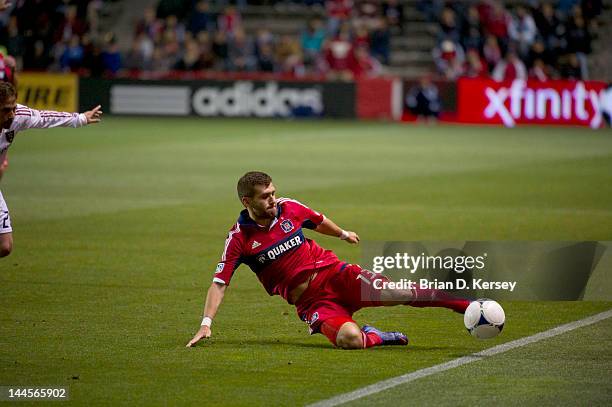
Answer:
(537, 39)
(351, 38)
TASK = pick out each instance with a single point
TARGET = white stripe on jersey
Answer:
(228, 240)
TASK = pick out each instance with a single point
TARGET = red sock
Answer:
(371, 339)
(438, 298)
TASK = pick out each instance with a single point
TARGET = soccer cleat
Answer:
(388, 338)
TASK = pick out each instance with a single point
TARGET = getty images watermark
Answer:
(458, 264)
(522, 270)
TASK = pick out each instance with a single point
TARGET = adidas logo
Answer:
(255, 244)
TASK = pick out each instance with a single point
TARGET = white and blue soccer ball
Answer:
(484, 318)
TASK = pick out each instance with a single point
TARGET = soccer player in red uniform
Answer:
(326, 291)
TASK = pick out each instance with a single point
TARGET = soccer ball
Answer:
(484, 318)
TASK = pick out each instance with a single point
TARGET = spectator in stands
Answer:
(393, 12)
(495, 21)
(510, 68)
(538, 51)
(202, 19)
(220, 50)
(571, 68)
(579, 42)
(423, 100)
(449, 58)
(449, 27)
(289, 56)
(339, 55)
(229, 21)
(361, 36)
(140, 55)
(191, 60)
(175, 27)
(539, 71)
(111, 57)
(338, 12)
(491, 51)
(207, 56)
(241, 52)
(471, 30)
(380, 41)
(150, 25)
(312, 40)
(363, 64)
(72, 57)
(475, 66)
(549, 26)
(265, 58)
(367, 13)
(36, 57)
(70, 26)
(522, 30)
(14, 39)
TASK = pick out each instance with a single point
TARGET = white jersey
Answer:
(27, 118)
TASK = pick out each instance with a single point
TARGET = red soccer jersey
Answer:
(279, 255)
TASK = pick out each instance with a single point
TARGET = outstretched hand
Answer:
(94, 115)
(353, 238)
(203, 333)
(4, 5)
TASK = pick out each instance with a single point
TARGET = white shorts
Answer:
(5, 219)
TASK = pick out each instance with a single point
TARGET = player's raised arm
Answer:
(28, 118)
(214, 297)
(328, 227)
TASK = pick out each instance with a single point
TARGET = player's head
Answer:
(8, 104)
(258, 194)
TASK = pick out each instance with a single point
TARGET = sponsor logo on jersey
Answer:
(10, 135)
(255, 244)
(286, 225)
(275, 251)
(219, 268)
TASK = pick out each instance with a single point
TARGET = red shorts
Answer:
(338, 290)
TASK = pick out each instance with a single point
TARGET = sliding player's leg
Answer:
(345, 333)
(364, 288)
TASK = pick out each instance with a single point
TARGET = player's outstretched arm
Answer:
(328, 227)
(94, 115)
(213, 301)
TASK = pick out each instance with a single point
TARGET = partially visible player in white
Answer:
(15, 118)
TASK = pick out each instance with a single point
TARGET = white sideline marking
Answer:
(409, 377)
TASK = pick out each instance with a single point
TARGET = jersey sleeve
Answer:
(28, 118)
(231, 257)
(310, 218)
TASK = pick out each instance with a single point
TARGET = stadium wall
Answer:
(469, 100)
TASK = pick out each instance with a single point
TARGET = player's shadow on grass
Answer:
(277, 342)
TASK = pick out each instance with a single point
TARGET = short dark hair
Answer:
(246, 183)
(7, 91)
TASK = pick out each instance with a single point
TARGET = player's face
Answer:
(263, 202)
(7, 112)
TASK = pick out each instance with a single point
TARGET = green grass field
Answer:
(118, 228)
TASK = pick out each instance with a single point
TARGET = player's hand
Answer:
(4, 5)
(94, 115)
(203, 333)
(353, 238)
